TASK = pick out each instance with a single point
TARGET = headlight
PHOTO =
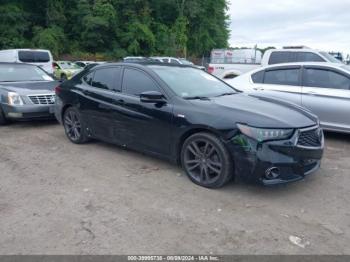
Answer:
(263, 134)
(14, 99)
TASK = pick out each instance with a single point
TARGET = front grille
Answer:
(42, 99)
(310, 138)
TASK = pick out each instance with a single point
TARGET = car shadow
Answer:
(32, 123)
(337, 136)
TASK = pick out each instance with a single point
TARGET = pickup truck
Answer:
(225, 68)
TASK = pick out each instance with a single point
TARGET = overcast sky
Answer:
(320, 24)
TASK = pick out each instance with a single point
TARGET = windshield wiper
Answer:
(226, 94)
(196, 97)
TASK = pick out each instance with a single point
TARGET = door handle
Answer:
(258, 88)
(121, 101)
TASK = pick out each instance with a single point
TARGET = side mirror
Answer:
(152, 97)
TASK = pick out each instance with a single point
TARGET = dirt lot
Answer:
(60, 198)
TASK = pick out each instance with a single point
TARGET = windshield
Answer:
(21, 73)
(330, 58)
(190, 82)
(68, 65)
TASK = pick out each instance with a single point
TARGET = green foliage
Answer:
(13, 25)
(51, 38)
(115, 28)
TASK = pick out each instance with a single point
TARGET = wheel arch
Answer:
(189, 133)
(64, 109)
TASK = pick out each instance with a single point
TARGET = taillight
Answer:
(58, 90)
(210, 69)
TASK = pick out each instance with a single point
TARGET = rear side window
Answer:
(326, 79)
(282, 77)
(136, 82)
(308, 57)
(33, 56)
(258, 77)
(107, 78)
(279, 57)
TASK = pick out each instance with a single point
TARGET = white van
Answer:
(39, 57)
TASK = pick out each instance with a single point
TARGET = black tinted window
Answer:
(282, 77)
(136, 82)
(258, 77)
(308, 57)
(33, 56)
(279, 57)
(325, 79)
(106, 78)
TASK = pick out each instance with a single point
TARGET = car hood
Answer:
(30, 87)
(259, 111)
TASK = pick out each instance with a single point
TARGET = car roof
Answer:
(142, 64)
(27, 49)
(295, 50)
(325, 64)
(17, 64)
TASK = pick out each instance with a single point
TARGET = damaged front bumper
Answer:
(277, 162)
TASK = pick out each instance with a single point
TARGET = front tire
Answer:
(206, 160)
(74, 127)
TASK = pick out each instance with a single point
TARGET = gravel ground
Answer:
(61, 198)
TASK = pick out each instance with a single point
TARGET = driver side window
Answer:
(325, 79)
(136, 82)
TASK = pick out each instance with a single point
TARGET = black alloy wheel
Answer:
(206, 160)
(73, 126)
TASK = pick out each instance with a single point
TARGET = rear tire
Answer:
(74, 126)
(3, 120)
(206, 160)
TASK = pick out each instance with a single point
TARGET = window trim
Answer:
(324, 68)
(144, 72)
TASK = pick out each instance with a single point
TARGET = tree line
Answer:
(115, 28)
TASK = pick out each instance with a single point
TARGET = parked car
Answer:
(39, 57)
(138, 59)
(323, 88)
(65, 69)
(26, 92)
(191, 117)
(176, 61)
(228, 68)
(83, 63)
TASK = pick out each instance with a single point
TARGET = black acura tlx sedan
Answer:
(192, 118)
